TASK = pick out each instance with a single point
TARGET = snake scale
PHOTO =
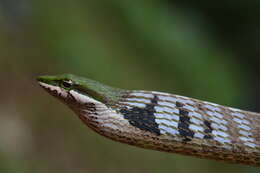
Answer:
(161, 121)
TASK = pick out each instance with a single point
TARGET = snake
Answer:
(161, 121)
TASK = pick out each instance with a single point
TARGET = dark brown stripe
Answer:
(184, 123)
(143, 118)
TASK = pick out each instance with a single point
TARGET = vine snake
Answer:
(161, 121)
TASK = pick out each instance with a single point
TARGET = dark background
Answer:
(203, 49)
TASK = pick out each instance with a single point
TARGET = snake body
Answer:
(166, 122)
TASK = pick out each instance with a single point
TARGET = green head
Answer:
(78, 90)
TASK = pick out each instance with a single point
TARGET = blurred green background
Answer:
(202, 49)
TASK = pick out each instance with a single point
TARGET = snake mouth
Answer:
(52, 85)
(55, 91)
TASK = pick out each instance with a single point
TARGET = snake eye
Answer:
(67, 84)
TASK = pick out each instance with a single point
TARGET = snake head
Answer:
(77, 91)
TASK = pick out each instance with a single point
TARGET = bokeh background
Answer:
(202, 49)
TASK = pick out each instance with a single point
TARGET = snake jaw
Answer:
(55, 91)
